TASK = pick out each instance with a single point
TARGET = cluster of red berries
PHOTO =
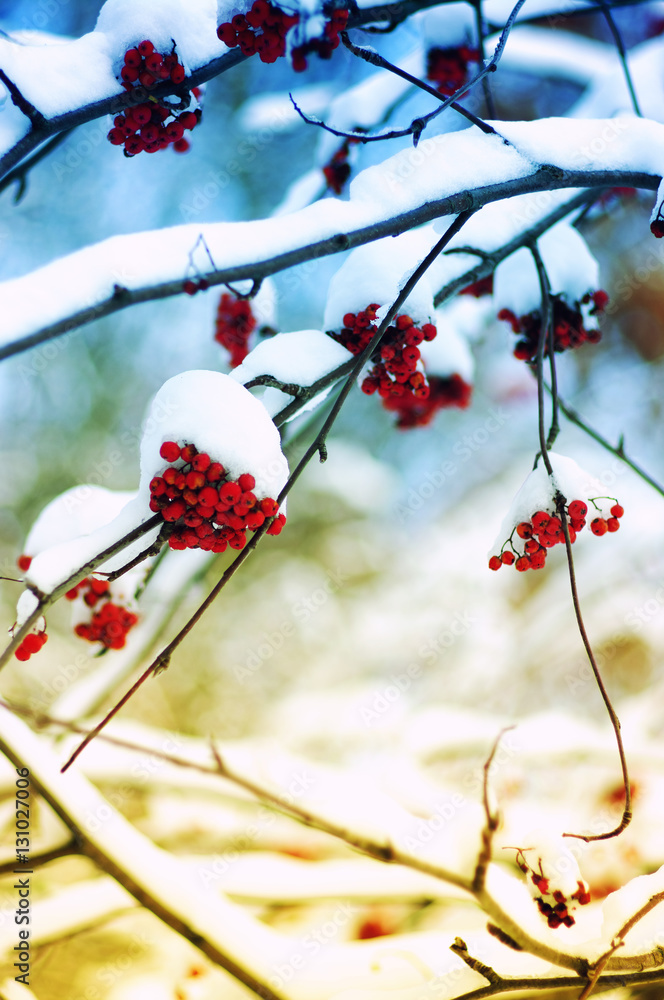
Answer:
(557, 911)
(444, 392)
(35, 640)
(449, 67)
(234, 324)
(206, 509)
(337, 171)
(263, 29)
(568, 328)
(145, 126)
(544, 530)
(32, 643)
(110, 623)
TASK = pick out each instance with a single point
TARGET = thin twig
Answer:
(617, 450)
(20, 172)
(615, 721)
(29, 110)
(486, 86)
(492, 820)
(373, 57)
(617, 37)
(545, 326)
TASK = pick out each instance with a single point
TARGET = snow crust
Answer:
(448, 354)
(448, 26)
(78, 511)
(538, 492)
(620, 906)
(440, 167)
(300, 358)
(218, 415)
(572, 270)
(376, 272)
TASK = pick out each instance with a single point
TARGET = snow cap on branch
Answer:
(78, 511)
(299, 358)
(376, 273)
(191, 24)
(219, 416)
(448, 353)
(571, 268)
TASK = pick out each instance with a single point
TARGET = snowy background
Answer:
(364, 661)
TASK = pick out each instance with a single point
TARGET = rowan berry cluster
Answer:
(32, 643)
(204, 507)
(444, 392)
(657, 226)
(448, 67)
(568, 325)
(545, 529)
(556, 908)
(145, 127)
(263, 29)
(234, 324)
(110, 622)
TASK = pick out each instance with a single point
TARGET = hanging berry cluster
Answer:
(552, 903)
(145, 127)
(444, 391)
(32, 643)
(110, 622)
(206, 509)
(448, 67)
(263, 29)
(545, 529)
(234, 324)
(568, 325)
(398, 373)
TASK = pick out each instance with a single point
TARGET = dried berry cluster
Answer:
(263, 29)
(146, 127)
(337, 171)
(110, 623)
(557, 907)
(234, 324)
(545, 529)
(448, 67)
(568, 328)
(32, 643)
(206, 509)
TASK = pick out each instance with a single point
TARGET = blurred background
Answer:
(370, 637)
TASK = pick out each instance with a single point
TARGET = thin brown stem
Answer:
(491, 820)
(615, 721)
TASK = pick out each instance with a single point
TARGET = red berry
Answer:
(23, 563)
(201, 462)
(195, 480)
(612, 524)
(181, 145)
(230, 493)
(599, 526)
(188, 119)
(177, 74)
(577, 510)
(227, 34)
(215, 472)
(269, 506)
(208, 496)
(495, 563)
(146, 48)
(507, 558)
(617, 510)
(170, 451)
(132, 57)
(522, 564)
(524, 529)
(174, 511)
(540, 520)
(190, 287)
(246, 482)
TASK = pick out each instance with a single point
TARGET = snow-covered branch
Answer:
(445, 175)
